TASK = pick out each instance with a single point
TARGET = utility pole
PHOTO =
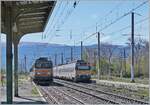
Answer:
(21, 66)
(94, 57)
(71, 54)
(25, 63)
(132, 47)
(98, 55)
(62, 58)
(120, 59)
(124, 60)
(81, 50)
(55, 59)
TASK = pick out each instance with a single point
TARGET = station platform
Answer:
(130, 86)
(28, 94)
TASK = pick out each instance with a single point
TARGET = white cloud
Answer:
(105, 39)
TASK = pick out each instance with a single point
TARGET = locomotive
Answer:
(42, 71)
(78, 71)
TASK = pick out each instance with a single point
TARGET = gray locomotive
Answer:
(76, 71)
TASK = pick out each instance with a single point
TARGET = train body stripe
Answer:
(42, 74)
(83, 72)
(42, 70)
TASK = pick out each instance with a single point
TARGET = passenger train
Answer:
(76, 71)
(42, 71)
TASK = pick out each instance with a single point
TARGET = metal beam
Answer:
(25, 27)
(32, 17)
(35, 5)
(31, 23)
(40, 11)
(31, 30)
(34, 13)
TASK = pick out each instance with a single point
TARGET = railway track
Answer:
(60, 95)
(48, 97)
(127, 94)
(113, 98)
(86, 98)
(54, 95)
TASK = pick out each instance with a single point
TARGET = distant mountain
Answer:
(34, 50)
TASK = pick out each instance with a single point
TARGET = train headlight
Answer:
(38, 73)
(48, 73)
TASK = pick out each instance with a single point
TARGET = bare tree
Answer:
(120, 63)
(110, 53)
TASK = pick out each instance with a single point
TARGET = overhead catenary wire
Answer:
(116, 20)
(60, 15)
(57, 22)
(58, 9)
(107, 14)
(126, 27)
(65, 18)
(58, 19)
(93, 34)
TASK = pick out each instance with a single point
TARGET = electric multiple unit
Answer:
(42, 71)
(76, 71)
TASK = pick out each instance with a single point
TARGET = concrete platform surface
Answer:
(27, 94)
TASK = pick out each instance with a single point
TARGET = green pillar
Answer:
(9, 56)
(16, 69)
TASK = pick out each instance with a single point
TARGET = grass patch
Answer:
(143, 93)
(23, 77)
(118, 79)
(34, 91)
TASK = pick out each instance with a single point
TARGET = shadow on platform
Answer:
(26, 100)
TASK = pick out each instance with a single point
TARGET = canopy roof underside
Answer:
(27, 16)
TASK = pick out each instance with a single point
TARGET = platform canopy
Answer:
(17, 19)
(27, 16)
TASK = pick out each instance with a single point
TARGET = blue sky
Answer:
(82, 22)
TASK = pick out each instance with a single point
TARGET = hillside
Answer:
(33, 50)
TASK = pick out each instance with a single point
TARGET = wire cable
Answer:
(116, 20)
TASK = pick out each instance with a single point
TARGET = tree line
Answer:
(116, 61)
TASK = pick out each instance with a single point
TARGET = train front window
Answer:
(43, 65)
(83, 67)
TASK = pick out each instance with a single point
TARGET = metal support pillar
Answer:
(55, 59)
(132, 47)
(16, 69)
(124, 61)
(98, 55)
(62, 58)
(81, 50)
(25, 63)
(71, 54)
(9, 55)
